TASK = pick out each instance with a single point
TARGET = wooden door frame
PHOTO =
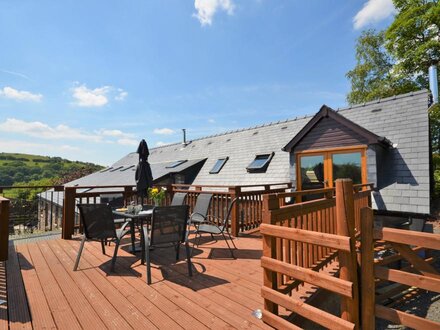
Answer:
(327, 154)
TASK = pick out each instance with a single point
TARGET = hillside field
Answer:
(24, 168)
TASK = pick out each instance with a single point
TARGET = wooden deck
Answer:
(44, 292)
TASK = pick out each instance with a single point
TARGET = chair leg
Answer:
(196, 242)
(229, 247)
(147, 259)
(232, 241)
(79, 254)
(132, 234)
(115, 253)
(147, 254)
(188, 259)
(103, 245)
(177, 251)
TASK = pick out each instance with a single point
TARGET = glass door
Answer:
(318, 170)
(347, 165)
(312, 172)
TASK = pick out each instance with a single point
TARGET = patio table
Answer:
(136, 219)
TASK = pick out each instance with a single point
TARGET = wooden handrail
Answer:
(223, 186)
(427, 240)
(306, 236)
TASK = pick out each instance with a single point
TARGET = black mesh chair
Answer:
(178, 199)
(200, 212)
(98, 224)
(168, 229)
(216, 227)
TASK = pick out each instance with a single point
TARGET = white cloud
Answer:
(121, 95)
(14, 94)
(206, 9)
(36, 148)
(163, 131)
(161, 143)
(42, 130)
(373, 11)
(85, 97)
(115, 133)
(211, 121)
(127, 142)
(63, 132)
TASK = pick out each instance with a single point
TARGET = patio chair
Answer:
(178, 199)
(200, 212)
(168, 229)
(216, 227)
(98, 224)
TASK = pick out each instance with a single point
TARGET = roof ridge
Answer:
(300, 117)
(386, 99)
(281, 121)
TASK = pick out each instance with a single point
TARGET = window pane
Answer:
(259, 161)
(218, 165)
(347, 166)
(175, 164)
(312, 172)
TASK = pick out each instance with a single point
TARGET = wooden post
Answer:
(128, 192)
(68, 213)
(270, 202)
(367, 275)
(4, 228)
(169, 194)
(347, 261)
(235, 214)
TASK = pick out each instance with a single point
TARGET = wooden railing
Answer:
(300, 240)
(419, 274)
(4, 228)
(247, 212)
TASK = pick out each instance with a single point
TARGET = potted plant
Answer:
(157, 195)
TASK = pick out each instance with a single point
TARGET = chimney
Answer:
(433, 83)
(184, 137)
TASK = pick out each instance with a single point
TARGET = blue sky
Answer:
(86, 80)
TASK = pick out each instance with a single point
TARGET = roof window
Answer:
(260, 163)
(127, 168)
(175, 164)
(218, 165)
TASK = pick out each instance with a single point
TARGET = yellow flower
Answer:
(154, 190)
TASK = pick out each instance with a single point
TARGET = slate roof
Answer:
(402, 119)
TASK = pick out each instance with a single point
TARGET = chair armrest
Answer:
(196, 213)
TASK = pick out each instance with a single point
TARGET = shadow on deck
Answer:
(44, 292)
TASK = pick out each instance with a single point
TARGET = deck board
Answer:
(3, 296)
(221, 295)
(18, 311)
(42, 317)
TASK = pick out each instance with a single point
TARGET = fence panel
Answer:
(418, 274)
(300, 239)
(4, 228)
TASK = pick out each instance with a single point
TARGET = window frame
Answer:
(264, 166)
(328, 162)
(176, 163)
(224, 161)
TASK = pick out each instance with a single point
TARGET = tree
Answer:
(414, 38)
(396, 61)
(374, 77)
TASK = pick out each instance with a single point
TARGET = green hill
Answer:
(33, 169)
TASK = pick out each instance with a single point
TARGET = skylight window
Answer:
(218, 165)
(260, 163)
(175, 164)
(117, 168)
